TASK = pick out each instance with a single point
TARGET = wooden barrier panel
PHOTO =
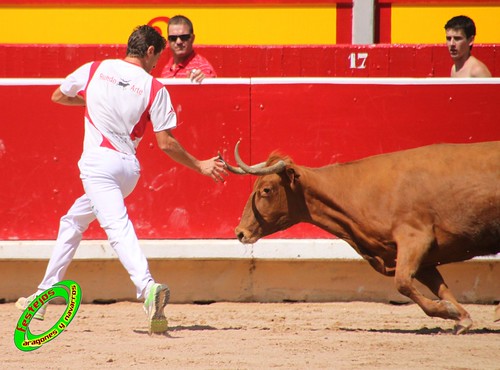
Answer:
(316, 121)
(321, 123)
(57, 61)
(232, 22)
(41, 143)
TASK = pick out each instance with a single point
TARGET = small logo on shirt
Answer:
(123, 83)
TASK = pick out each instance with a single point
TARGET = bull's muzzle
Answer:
(244, 237)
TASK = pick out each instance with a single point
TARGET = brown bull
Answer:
(404, 212)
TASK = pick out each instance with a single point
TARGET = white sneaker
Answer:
(155, 303)
(22, 303)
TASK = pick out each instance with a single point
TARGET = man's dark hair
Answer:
(462, 22)
(180, 19)
(142, 38)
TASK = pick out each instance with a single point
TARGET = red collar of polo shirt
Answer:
(186, 62)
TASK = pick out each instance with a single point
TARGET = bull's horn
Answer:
(275, 168)
(238, 170)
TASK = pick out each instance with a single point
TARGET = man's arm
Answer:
(60, 98)
(212, 167)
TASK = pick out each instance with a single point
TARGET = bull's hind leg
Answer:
(413, 245)
(433, 279)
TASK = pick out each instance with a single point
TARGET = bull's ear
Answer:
(293, 176)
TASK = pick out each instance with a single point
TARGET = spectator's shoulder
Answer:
(479, 69)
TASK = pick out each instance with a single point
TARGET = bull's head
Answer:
(275, 203)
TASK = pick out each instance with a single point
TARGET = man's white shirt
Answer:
(121, 98)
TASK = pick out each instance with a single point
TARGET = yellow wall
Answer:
(213, 25)
(232, 25)
(425, 25)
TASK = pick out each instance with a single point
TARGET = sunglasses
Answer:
(173, 38)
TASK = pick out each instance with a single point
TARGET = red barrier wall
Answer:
(42, 142)
(259, 61)
(317, 122)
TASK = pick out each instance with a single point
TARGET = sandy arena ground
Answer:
(354, 335)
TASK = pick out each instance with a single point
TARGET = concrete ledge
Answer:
(224, 270)
(191, 249)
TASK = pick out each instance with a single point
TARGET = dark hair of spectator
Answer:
(180, 19)
(462, 22)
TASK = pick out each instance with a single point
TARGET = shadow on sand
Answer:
(423, 331)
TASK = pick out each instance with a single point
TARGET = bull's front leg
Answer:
(413, 245)
(433, 279)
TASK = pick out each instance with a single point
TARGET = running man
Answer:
(121, 99)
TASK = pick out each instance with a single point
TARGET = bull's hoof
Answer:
(497, 313)
(451, 310)
(463, 326)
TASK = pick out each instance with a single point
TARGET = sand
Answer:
(351, 335)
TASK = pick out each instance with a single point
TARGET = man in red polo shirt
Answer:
(185, 62)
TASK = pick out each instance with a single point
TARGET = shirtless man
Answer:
(460, 33)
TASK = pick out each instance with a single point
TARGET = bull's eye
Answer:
(266, 192)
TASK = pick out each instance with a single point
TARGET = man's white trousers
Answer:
(108, 177)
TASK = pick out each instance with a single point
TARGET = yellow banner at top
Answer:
(425, 25)
(243, 24)
(221, 25)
